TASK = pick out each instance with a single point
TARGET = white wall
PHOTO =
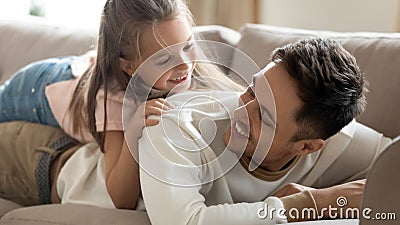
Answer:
(336, 15)
(14, 8)
(78, 13)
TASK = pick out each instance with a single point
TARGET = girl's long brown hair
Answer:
(119, 37)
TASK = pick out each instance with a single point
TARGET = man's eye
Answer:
(260, 115)
(266, 119)
(188, 47)
(250, 91)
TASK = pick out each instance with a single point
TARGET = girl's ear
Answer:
(126, 66)
(304, 147)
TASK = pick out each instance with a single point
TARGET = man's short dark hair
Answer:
(329, 83)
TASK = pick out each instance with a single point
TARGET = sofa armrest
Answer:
(73, 214)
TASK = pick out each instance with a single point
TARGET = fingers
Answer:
(290, 189)
(157, 107)
(281, 192)
(151, 110)
(151, 122)
(160, 103)
(154, 107)
(168, 104)
(286, 190)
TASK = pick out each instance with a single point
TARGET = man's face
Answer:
(255, 120)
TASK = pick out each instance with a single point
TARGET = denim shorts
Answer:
(23, 97)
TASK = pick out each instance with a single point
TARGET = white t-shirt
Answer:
(82, 178)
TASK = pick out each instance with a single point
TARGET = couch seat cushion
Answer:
(6, 206)
(72, 214)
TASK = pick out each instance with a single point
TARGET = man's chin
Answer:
(230, 145)
(227, 138)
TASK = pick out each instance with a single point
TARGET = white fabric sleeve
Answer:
(355, 160)
(167, 203)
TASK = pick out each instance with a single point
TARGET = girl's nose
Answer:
(184, 66)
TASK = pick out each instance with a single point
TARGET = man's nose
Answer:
(246, 109)
(244, 99)
(252, 107)
(241, 114)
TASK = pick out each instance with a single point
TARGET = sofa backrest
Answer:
(27, 39)
(378, 55)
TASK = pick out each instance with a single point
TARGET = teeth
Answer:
(241, 129)
(180, 78)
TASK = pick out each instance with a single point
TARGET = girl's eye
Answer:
(164, 60)
(188, 47)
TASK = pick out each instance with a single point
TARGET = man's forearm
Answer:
(300, 207)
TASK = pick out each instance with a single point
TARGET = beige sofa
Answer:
(27, 39)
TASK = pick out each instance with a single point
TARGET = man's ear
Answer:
(126, 66)
(304, 147)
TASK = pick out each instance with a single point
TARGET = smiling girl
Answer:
(89, 108)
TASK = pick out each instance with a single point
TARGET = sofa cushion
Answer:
(6, 206)
(377, 55)
(25, 40)
(73, 214)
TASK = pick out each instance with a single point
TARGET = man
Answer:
(217, 162)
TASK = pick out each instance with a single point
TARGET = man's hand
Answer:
(352, 192)
(290, 189)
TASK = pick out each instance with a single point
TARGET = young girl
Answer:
(90, 107)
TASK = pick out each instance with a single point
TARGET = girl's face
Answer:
(171, 68)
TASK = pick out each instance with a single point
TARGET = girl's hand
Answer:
(155, 107)
(139, 118)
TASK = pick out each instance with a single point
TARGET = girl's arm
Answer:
(122, 170)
